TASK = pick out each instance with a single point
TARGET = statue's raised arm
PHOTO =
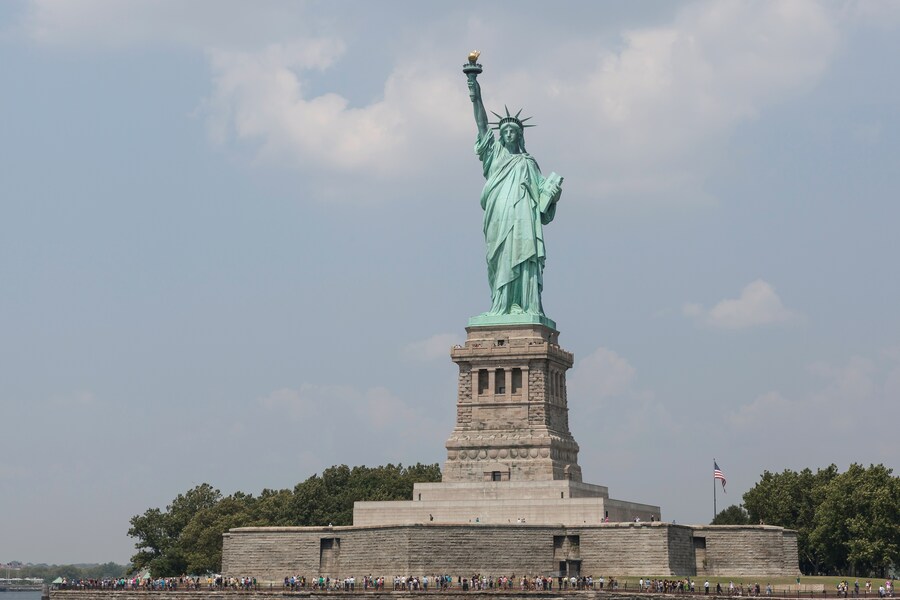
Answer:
(472, 70)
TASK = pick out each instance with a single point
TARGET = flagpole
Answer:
(714, 490)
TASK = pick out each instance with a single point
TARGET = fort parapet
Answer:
(622, 549)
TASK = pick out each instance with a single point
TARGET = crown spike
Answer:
(509, 118)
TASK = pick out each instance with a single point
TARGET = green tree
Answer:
(330, 498)
(151, 532)
(158, 532)
(733, 515)
(789, 499)
(273, 507)
(857, 524)
(846, 522)
(200, 542)
(187, 536)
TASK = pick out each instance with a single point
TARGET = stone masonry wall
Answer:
(389, 551)
(537, 377)
(791, 552)
(656, 549)
(482, 549)
(747, 550)
(625, 549)
(518, 424)
(269, 549)
(681, 550)
(382, 550)
(465, 383)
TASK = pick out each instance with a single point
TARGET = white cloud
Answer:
(692, 310)
(842, 399)
(384, 410)
(603, 374)
(662, 103)
(78, 399)
(260, 97)
(757, 305)
(112, 24)
(853, 384)
(434, 347)
(649, 116)
(10, 473)
(656, 104)
(375, 407)
(613, 411)
(867, 133)
(892, 353)
(606, 381)
(297, 403)
(768, 408)
(858, 397)
(884, 15)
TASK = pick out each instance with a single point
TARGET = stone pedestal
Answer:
(511, 458)
(512, 416)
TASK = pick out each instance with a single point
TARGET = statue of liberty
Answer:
(517, 201)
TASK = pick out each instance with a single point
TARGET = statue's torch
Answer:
(472, 69)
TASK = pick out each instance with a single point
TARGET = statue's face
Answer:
(510, 136)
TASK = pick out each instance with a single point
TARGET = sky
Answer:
(237, 241)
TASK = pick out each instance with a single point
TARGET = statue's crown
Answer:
(510, 119)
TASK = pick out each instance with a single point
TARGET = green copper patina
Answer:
(517, 201)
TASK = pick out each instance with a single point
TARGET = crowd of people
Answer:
(475, 583)
(185, 582)
(884, 591)
(423, 583)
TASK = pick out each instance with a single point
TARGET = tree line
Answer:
(186, 537)
(846, 523)
(48, 573)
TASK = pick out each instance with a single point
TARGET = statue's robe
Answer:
(513, 220)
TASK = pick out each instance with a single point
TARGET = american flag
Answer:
(718, 474)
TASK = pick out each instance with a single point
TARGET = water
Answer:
(36, 595)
